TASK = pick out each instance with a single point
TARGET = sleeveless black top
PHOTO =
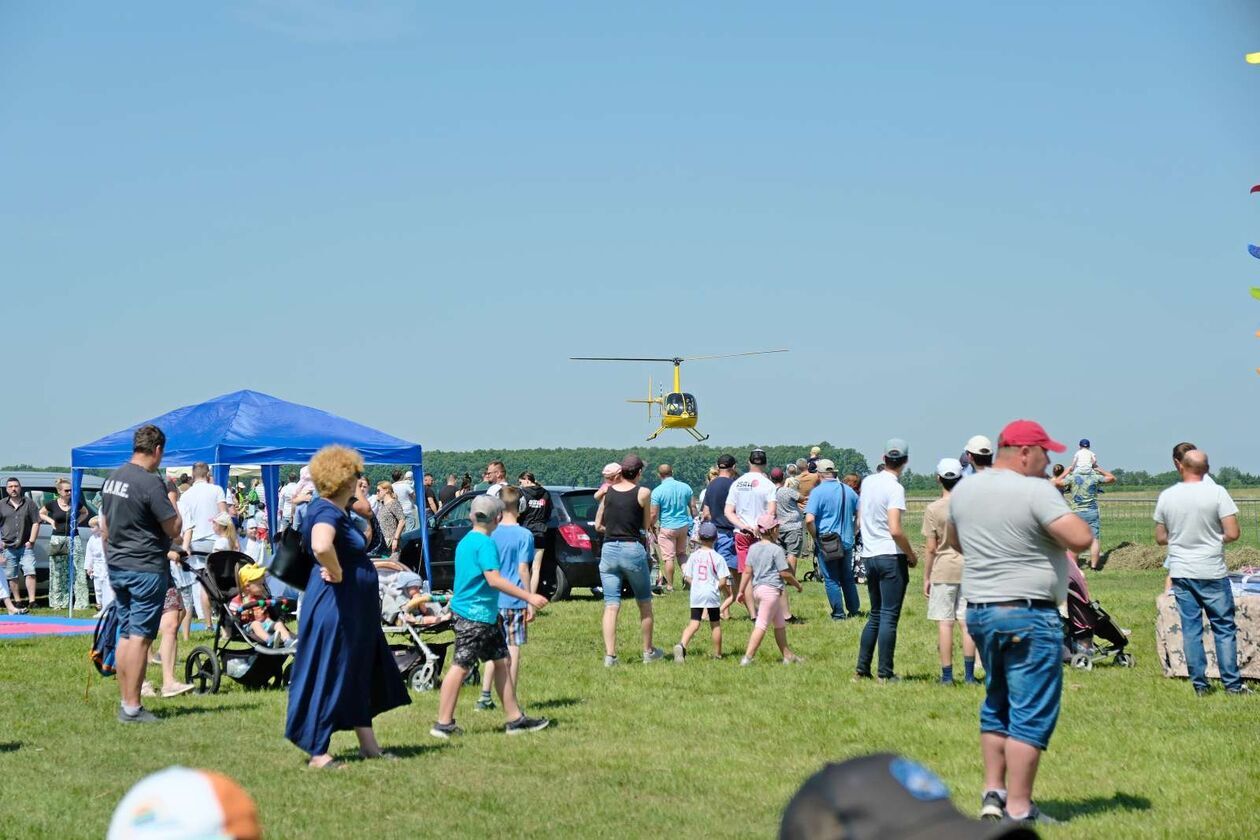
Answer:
(623, 515)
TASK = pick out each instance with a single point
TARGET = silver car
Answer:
(41, 487)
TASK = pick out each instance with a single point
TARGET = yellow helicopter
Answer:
(677, 410)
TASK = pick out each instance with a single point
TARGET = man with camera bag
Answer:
(829, 516)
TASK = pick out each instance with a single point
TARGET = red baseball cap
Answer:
(1028, 433)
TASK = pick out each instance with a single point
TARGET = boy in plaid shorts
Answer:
(478, 629)
(516, 552)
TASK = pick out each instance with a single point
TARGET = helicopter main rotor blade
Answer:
(613, 359)
(727, 355)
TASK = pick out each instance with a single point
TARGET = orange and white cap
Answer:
(182, 804)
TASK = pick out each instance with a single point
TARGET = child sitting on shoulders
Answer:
(768, 572)
(707, 575)
(257, 610)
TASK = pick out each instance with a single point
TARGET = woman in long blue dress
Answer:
(343, 672)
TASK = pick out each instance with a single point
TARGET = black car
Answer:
(570, 549)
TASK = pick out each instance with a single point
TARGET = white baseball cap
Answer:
(181, 803)
(980, 445)
(949, 468)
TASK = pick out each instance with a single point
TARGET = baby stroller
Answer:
(417, 653)
(1087, 620)
(234, 651)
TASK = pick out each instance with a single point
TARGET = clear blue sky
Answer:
(954, 214)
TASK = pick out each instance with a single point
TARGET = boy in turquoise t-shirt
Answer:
(516, 554)
(478, 631)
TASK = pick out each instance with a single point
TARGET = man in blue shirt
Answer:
(673, 507)
(478, 633)
(829, 515)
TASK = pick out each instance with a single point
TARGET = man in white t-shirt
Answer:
(199, 505)
(751, 495)
(286, 501)
(1195, 520)
(888, 555)
(405, 490)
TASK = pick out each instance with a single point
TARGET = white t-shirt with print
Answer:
(1084, 461)
(706, 569)
(751, 495)
(880, 492)
(1192, 514)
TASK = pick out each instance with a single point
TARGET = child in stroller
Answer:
(258, 612)
(406, 602)
(413, 620)
(1086, 619)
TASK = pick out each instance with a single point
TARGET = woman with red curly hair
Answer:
(343, 672)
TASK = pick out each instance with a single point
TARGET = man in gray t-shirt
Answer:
(1012, 527)
(1195, 520)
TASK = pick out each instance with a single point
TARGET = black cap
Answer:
(726, 462)
(883, 796)
(758, 457)
(631, 463)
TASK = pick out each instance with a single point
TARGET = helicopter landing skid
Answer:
(689, 431)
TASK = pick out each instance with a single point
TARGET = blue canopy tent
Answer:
(246, 427)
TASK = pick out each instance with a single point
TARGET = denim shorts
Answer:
(1090, 515)
(725, 545)
(1021, 649)
(20, 557)
(628, 562)
(141, 599)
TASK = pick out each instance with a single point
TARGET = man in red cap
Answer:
(1012, 526)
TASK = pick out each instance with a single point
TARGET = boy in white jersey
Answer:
(707, 574)
(1084, 461)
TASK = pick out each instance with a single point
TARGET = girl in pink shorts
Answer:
(767, 577)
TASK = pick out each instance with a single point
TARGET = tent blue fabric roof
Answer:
(246, 427)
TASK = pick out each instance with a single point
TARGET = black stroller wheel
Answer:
(474, 675)
(1125, 660)
(202, 671)
(1082, 662)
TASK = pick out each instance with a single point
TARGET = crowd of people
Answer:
(997, 545)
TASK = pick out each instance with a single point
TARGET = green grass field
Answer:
(706, 748)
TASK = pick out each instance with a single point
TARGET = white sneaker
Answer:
(680, 653)
(147, 690)
(744, 661)
(610, 661)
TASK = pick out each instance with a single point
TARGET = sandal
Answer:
(331, 765)
(383, 754)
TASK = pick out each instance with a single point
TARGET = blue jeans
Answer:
(837, 575)
(1021, 649)
(1214, 597)
(624, 561)
(887, 577)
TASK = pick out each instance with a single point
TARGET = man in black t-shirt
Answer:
(138, 524)
(430, 497)
(714, 510)
(448, 491)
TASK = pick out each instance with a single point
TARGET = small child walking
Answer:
(707, 575)
(478, 628)
(766, 578)
(95, 567)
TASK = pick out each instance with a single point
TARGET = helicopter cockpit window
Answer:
(689, 403)
(674, 404)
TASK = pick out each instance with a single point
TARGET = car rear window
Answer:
(581, 505)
